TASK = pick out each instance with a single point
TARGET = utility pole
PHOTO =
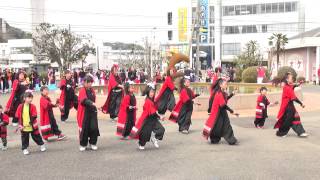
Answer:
(98, 62)
(68, 61)
(197, 30)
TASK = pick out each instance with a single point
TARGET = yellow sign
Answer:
(182, 26)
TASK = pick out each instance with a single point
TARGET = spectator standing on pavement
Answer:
(261, 74)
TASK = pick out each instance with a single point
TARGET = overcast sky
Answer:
(103, 19)
(112, 20)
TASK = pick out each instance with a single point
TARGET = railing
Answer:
(203, 88)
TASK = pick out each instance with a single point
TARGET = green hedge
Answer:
(250, 74)
(283, 70)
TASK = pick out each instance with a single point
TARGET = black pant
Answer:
(65, 115)
(4, 141)
(25, 139)
(223, 129)
(259, 122)
(152, 126)
(92, 137)
(15, 120)
(129, 125)
(114, 104)
(297, 128)
(54, 127)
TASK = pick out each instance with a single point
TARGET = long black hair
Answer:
(216, 85)
(147, 91)
(285, 78)
(126, 88)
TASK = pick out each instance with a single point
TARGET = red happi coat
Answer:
(81, 107)
(262, 105)
(111, 85)
(184, 97)
(10, 104)
(33, 117)
(149, 108)
(288, 95)
(168, 83)
(14, 89)
(45, 126)
(3, 128)
(63, 86)
(123, 115)
(219, 101)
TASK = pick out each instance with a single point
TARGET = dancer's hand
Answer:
(236, 114)
(120, 86)
(94, 104)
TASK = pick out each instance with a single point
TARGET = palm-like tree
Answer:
(278, 42)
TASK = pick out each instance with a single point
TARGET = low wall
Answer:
(237, 102)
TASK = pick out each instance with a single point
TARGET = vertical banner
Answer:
(183, 25)
(204, 24)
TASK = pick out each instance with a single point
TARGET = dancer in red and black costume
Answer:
(68, 99)
(127, 113)
(4, 121)
(288, 116)
(87, 116)
(218, 124)
(19, 87)
(262, 108)
(115, 94)
(165, 99)
(216, 75)
(48, 123)
(182, 112)
(148, 126)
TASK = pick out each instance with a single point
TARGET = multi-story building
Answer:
(227, 25)
(4, 55)
(21, 53)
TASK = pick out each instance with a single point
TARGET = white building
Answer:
(107, 56)
(4, 55)
(227, 25)
(20, 53)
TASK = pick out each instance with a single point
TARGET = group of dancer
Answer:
(121, 105)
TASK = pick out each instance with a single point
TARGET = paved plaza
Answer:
(260, 154)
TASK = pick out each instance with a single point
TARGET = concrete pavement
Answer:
(260, 155)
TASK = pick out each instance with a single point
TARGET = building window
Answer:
(254, 9)
(249, 29)
(238, 9)
(231, 10)
(264, 28)
(249, 9)
(259, 8)
(194, 15)
(294, 6)
(169, 35)
(243, 10)
(211, 40)
(21, 50)
(211, 20)
(281, 7)
(231, 30)
(169, 18)
(288, 7)
(274, 7)
(268, 8)
(263, 8)
(231, 48)
(3, 52)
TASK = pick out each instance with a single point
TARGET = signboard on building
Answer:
(183, 25)
(204, 21)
